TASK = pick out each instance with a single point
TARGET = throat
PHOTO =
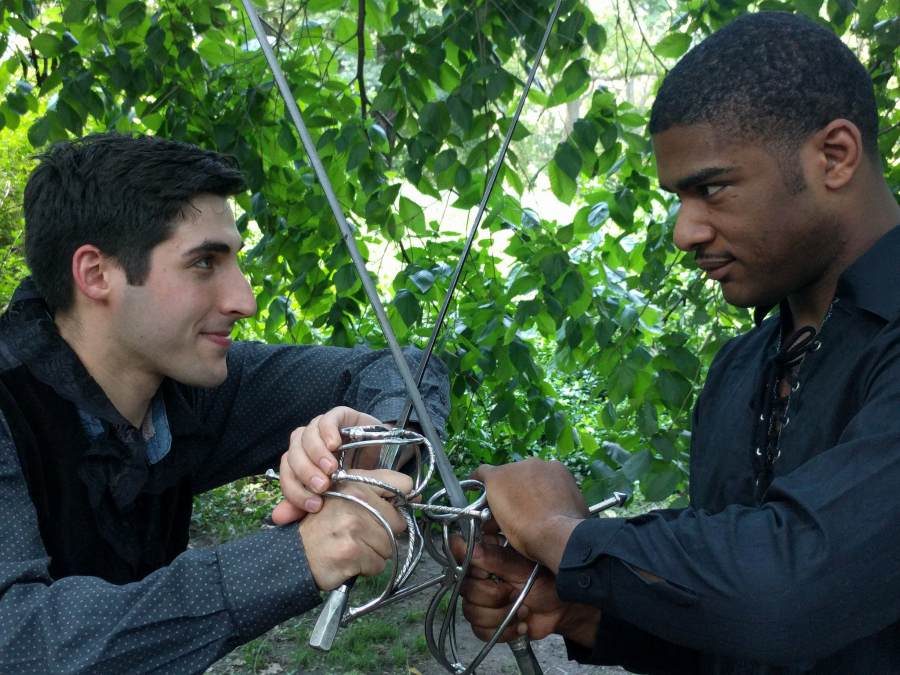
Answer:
(128, 388)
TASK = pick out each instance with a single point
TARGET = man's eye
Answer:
(204, 263)
(709, 190)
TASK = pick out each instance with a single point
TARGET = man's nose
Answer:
(691, 229)
(238, 298)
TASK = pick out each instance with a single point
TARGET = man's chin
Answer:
(206, 379)
(746, 298)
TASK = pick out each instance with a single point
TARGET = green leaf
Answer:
(435, 119)
(460, 112)
(286, 140)
(637, 465)
(646, 419)
(520, 356)
(411, 215)
(561, 185)
(661, 480)
(571, 289)
(673, 45)
(324, 5)
(572, 84)
(212, 50)
(133, 15)
(596, 37)
(553, 266)
(39, 132)
(809, 7)
(568, 159)
(674, 389)
(408, 307)
(345, 278)
(47, 45)
(77, 11)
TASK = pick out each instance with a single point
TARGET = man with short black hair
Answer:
(787, 559)
(122, 397)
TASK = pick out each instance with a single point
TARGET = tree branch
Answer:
(644, 37)
(361, 56)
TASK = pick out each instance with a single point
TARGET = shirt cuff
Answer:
(579, 579)
(266, 579)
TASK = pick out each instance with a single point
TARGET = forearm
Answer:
(758, 584)
(179, 619)
(271, 390)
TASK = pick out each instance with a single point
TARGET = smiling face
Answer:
(177, 323)
(753, 223)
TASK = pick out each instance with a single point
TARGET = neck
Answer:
(876, 214)
(128, 388)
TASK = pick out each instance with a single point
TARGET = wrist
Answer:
(579, 624)
(553, 538)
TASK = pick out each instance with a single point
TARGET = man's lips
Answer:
(221, 338)
(715, 267)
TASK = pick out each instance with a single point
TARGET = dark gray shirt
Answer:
(801, 572)
(186, 615)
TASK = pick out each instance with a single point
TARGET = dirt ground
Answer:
(394, 632)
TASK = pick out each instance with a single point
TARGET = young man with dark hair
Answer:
(122, 397)
(787, 559)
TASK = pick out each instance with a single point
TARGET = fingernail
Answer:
(327, 465)
(522, 628)
(478, 552)
(313, 504)
(318, 483)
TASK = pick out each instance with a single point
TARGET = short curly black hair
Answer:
(773, 77)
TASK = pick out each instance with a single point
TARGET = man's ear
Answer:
(841, 147)
(93, 272)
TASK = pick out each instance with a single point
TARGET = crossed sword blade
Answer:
(329, 620)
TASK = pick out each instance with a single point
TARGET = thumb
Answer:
(285, 513)
(500, 561)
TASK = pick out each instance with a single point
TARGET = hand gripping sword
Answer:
(337, 602)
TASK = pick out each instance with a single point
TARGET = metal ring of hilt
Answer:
(443, 512)
(443, 647)
(372, 436)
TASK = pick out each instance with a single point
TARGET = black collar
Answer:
(872, 282)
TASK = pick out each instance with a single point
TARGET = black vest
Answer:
(101, 510)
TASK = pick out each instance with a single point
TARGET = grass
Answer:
(388, 641)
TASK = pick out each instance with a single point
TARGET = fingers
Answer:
(285, 513)
(306, 467)
(379, 498)
(492, 559)
(344, 540)
(485, 606)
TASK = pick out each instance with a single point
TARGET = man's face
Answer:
(177, 323)
(752, 226)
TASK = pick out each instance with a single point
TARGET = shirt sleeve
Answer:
(819, 557)
(179, 619)
(272, 389)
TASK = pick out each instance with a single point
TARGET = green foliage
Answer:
(15, 163)
(578, 331)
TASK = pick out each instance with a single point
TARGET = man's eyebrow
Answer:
(698, 178)
(210, 246)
